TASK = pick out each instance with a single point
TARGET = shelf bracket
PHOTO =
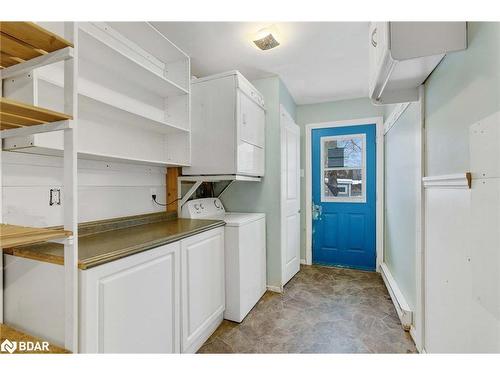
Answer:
(36, 129)
(188, 195)
(37, 62)
(225, 188)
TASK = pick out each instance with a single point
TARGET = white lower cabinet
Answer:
(132, 305)
(203, 295)
(169, 299)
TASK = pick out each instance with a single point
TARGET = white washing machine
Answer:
(245, 253)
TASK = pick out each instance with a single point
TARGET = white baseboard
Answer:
(275, 289)
(402, 308)
(413, 335)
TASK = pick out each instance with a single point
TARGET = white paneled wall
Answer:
(106, 189)
(462, 252)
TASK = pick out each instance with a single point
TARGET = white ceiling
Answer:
(317, 61)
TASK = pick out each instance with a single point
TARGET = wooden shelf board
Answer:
(22, 41)
(14, 114)
(15, 235)
(14, 335)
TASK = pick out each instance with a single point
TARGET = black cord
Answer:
(164, 204)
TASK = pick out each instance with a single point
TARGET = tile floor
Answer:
(322, 310)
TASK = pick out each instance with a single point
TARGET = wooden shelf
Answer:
(22, 41)
(15, 235)
(14, 114)
(14, 335)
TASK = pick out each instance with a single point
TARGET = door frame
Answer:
(379, 123)
(285, 113)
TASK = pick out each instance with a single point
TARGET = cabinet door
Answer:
(251, 121)
(378, 47)
(203, 299)
(132, 305)
(251, 159)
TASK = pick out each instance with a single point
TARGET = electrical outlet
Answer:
(55, 197)
(152, 192)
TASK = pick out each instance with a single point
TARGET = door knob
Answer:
(317, 210)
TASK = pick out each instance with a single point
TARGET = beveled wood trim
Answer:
(449, 181)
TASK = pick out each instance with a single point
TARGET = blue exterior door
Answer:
(344, 196)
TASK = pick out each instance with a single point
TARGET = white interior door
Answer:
(290, 196)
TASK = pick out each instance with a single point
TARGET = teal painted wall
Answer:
(287, 100)
(265, 196)
(463, 89)
(323, 112)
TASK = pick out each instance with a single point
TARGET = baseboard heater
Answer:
(402, 308)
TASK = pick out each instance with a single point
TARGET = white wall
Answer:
(402, 178)
(463, 226)
(463, 89)
(403, 209)
(106, 189)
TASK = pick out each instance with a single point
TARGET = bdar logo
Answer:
(8, 346)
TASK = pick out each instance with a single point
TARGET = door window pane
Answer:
(343, 168)
(343, 152)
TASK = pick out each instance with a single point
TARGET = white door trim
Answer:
(379, 122)
(418, 327)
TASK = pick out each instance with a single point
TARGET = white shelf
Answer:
(133, 96)
(105, 157)
(103, 48)
(125, 108)
(150, 39)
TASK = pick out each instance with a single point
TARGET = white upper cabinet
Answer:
(134, 95)
(228, 127)
(403, 54)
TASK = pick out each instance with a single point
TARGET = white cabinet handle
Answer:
(244, 119)
(374, 33)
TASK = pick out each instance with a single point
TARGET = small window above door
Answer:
(343, 168)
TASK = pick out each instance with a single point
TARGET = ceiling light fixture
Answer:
(267, 38)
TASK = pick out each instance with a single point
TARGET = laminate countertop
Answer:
(104, 241)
